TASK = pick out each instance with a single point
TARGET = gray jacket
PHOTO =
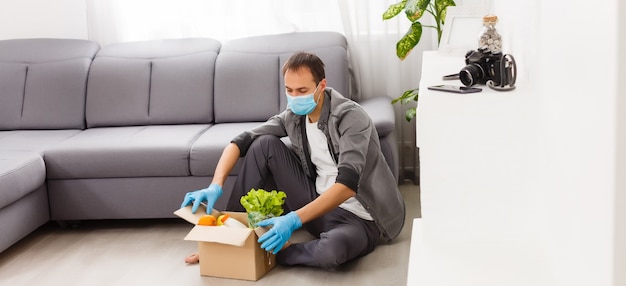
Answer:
(353, 142)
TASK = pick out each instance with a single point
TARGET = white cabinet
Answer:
(476, 155)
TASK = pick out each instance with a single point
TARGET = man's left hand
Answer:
(277, 236)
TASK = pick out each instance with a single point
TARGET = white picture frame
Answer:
(461, 29)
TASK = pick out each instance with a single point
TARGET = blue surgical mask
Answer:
(302, 104)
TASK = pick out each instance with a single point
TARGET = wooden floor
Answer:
(151, 252)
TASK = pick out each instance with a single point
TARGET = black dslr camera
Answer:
(496, 70)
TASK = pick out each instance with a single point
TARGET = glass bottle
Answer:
(489, 38)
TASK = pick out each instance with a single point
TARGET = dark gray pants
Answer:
(340, 235)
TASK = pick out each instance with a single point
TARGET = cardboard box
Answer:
(229, 252)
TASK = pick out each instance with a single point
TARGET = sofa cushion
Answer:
(42, 83)
(119, 152)
(21, 173)
(206, 151)
(249, 84)
(33, 140)
(246, 87)
(152, 83)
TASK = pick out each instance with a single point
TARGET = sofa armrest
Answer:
(381, 111)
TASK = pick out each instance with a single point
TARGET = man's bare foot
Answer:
(192, 259)
(287, 244)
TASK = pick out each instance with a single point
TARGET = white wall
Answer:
(43, 19)
(620, 196)
(578, 120)
(526, 188)
(573, 174)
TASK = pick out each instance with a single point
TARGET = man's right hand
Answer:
(210, 195)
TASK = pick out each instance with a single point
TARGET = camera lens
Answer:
(471, 74)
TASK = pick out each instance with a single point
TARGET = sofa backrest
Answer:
(249, 85)
(152, 82)
(43, 82)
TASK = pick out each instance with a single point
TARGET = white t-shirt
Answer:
(327, 169)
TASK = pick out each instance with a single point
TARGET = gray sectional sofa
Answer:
(125, 130)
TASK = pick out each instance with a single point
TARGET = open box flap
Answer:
(186, 214)
(220, 234)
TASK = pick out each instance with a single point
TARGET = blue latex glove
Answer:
(210, 195)
(283, 226)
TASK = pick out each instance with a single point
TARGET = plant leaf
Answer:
(414, 9)
(407, 96)
(423, 4)
(394, 9)
(409, 40)
(442, 8)
(410, 113)
(412, 94)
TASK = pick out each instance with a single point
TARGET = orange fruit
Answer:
(207, 220)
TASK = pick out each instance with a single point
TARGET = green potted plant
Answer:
(414, 10)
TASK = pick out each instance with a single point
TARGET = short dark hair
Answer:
(303, 59)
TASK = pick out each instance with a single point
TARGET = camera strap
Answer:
(508, 73)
